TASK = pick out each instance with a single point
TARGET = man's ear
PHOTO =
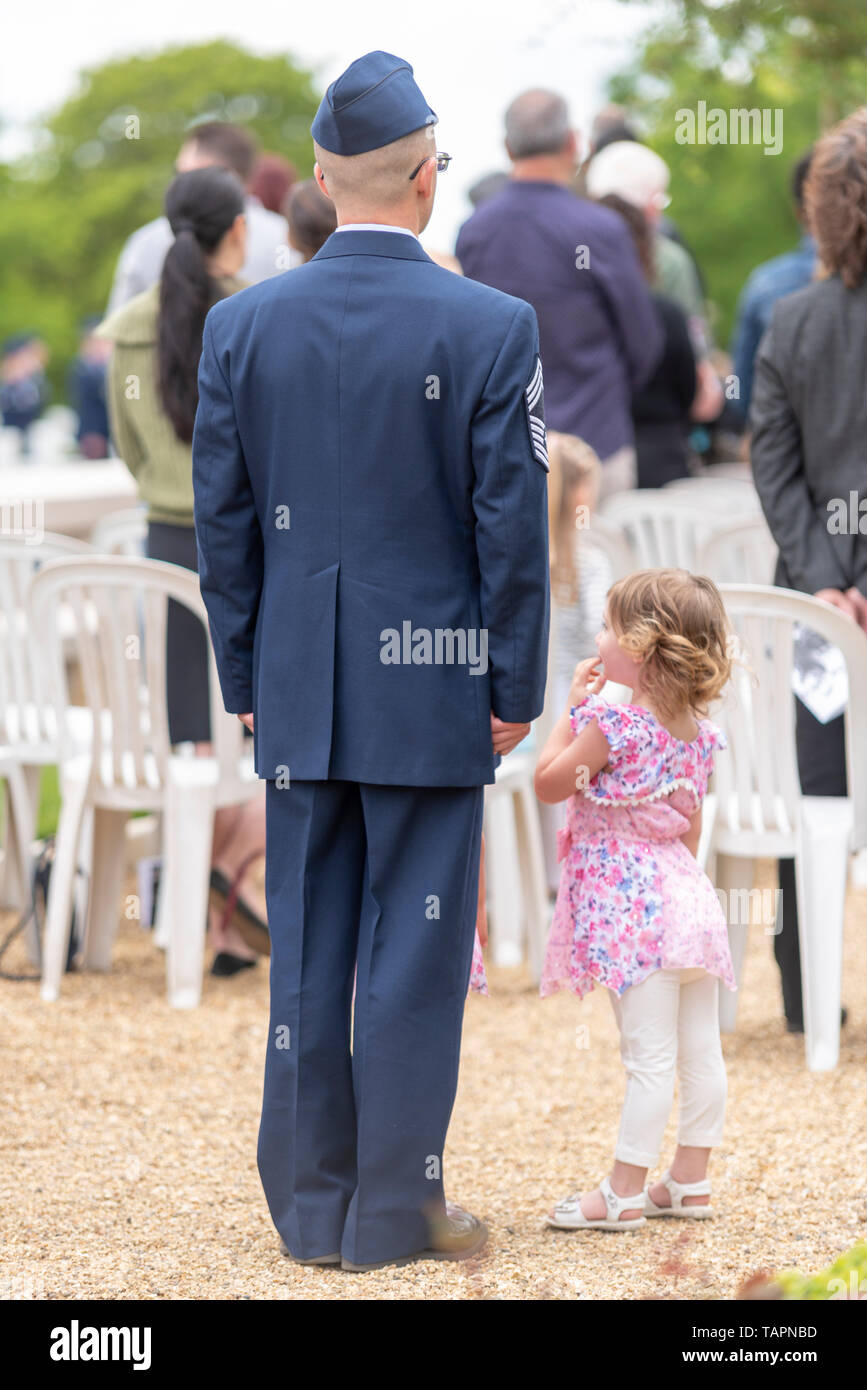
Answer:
(320, 178)
(426, 176)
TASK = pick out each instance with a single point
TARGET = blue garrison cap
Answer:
(375, 101)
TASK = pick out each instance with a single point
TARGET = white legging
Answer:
(670, 1024)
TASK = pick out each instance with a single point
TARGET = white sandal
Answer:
(677, 1192)
(568, 1215)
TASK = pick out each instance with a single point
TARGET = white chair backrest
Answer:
(734, 496)
(120, 607)
(664, 529)
(757, 779)
(121, 533)
(742, 552)
(27, 719)
(613, 544)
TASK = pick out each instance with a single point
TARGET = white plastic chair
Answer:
(515, 864)
(734, 496)
(742, 552)
(759, 809)
(29, 739)
(121, 533)
(120, 609)
(613, 544)
(665, 527)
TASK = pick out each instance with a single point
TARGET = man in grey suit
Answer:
(809, 422)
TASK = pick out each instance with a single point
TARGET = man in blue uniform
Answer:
(370, 501)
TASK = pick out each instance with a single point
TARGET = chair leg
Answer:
(20, 812)
(504, 882)
(60, 890)
(735, 877)
(164, 897)
(821, 869)
(187, 846)
(534, 879)
(20, 824)
(106, 883)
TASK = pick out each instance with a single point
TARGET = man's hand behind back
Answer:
(505, 737)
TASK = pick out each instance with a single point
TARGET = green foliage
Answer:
(49, 803)
(68, 208)
(732, 202)
(845, 1278)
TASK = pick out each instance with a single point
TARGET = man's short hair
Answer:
(230, 145)
(377, 178)
(537, 122)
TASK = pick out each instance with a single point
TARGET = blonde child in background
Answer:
(580, 579)
(634, 910)
(580, 574)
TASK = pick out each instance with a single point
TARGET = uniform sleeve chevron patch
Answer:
(534, 403)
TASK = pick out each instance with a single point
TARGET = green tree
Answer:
(103, 161)
(806, 58)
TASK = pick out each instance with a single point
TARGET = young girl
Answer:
(634, 910)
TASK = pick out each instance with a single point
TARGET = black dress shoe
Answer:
(316, 1260)
(457, 1236)
(226, 964)
(796, 1025)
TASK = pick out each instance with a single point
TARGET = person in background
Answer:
(272, 182)
(768, 283)
(580, 579)
(575, 264)
(311, 218)
(487, 186)
(580, 575)
(24, 390)
(637, 175)
(808, 415)
(610, 125)
(86, 386)
(157, 340)
(228, 147)
(661, 408)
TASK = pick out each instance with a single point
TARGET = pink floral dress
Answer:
(632, 897)
(478, 979)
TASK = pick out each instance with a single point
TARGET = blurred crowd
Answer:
(690, 411)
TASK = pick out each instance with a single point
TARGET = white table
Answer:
(51, 493)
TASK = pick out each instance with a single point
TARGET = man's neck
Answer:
(397, 219)
(541, 170)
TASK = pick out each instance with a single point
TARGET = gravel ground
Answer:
(129, 1145)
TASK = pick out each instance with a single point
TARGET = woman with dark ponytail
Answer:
(205, 208)
(152, 394)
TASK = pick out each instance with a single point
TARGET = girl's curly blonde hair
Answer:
(677, 624)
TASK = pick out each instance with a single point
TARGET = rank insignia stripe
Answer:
(534, 404)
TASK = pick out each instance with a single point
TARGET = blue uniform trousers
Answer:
(385, 879)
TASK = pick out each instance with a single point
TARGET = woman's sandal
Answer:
(225, 900)
(677, 1192)
(568, 1215)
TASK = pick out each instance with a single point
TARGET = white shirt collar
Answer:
(373, 227)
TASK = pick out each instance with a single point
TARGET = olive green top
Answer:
(142, 432)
